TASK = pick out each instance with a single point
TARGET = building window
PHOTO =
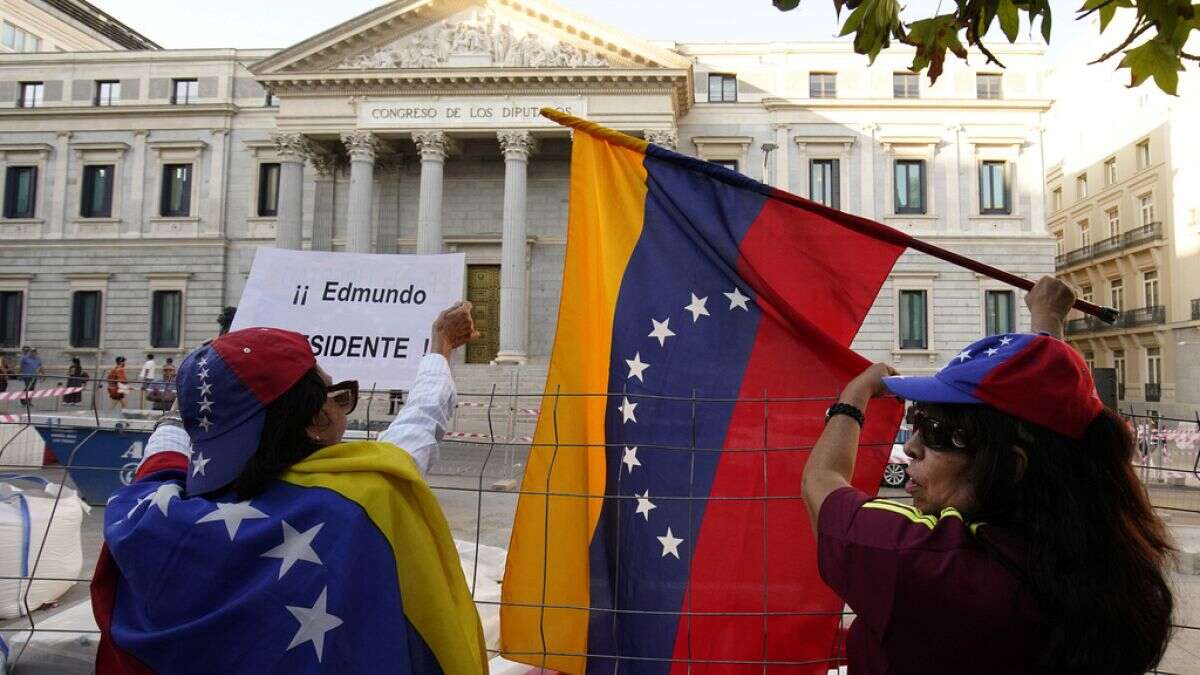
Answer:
(1119, 366)
(1089, 359)
(31, 95)
(993, 188)
(1058, 243)
(1114, 221)
(108, 92)
(1110, 171)
(85, 319)
(1000, 312)
(1085, 233)
(20, 191)
(824, 182)
(1116, 294)
(165, 314)
(1085, 293)
(906, 85)
(722, 88)
(1146, 208)
(987, 85)
(176, 191)
(19, 39)
(731, 164)
(910, 186)
(822, 85)
(913, 324)
(1081, 191)
(1056, 198)
(1150, 285)
(184, 91)
(272, 100)
(1143, 154)
(1153, 365)
(11, 306)
(97, 195)
(268, 189)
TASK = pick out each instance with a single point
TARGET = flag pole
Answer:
(865, 226)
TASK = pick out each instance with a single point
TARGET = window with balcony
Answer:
(1146, 208)
(1058, 243)
(1110, 171)
(185, 91)
(1153, 369)
(824, 182)
(1081, 187)
(1114, 221)
(1119, 367)
(906, 85)
(1085, 233)
(97, 193)
(108, 92)
(914, 332)
(1143, 155)
(987, 86)
(1085, 293)
(1116, 294)
(1056, 199)
(20, 191)
(1089, 359)
(30, 95)
(910, 186)
(1150, 287)
(822, 85)
(993, 188)
(722, 88)
(1000, 312)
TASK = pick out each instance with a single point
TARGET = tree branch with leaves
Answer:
(1154, 47)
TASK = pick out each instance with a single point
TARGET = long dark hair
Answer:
(1096, 550)
(284, 439)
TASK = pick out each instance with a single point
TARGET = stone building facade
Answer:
(412, 128)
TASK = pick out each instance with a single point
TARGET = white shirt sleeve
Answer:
(167, 438)
(423, 420)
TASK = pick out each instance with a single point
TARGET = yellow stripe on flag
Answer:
(388, 486)
(607, 203)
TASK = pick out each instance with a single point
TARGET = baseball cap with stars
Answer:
(1033, 377)
(224, 390)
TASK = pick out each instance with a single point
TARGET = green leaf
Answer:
(1087, 6)
(1154, 58)
(786, 5)
(1046, 23)
(854, 21)
(1106, 14)
(1010, 23)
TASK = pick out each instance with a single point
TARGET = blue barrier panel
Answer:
(110, 457)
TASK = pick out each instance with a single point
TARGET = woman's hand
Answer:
(453, 328)
(1049, 301)
(867, 385)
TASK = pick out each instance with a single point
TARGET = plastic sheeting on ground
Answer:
(33, 544)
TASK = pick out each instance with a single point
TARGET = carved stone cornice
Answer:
(667, 138)
(516, 144)
(290, 146)
(434, 145)
(361, 145)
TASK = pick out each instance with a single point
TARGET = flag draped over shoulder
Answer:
(662, 522)
(346, 565)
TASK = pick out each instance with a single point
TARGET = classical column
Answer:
(289, 228)
(324, 194)
(867, 148)
(214, 221)
(433, 147)
(361, 146)
(667, 138)
(956, 215)
(135, 210)
(514, 281)
(58, 200)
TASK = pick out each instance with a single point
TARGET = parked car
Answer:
(895, 473)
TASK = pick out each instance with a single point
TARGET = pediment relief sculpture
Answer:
(478, 40)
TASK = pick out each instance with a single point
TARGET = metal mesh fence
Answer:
(476, 476)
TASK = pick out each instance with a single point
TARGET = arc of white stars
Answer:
(661, 330)
(232, 514)
(630, 459)
(315, 622)
(697, 308)
(198, 464)
(636, 367)
(670, 543)
(737, 300)
(203, 373)
(296, 546)
(627, 411)
(644, 506)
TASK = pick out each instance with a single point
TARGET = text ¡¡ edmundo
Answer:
(360, 346)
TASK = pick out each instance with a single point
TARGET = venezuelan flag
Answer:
(703, 329)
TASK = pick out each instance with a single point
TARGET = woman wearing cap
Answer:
(254, 539)
(1029, 546)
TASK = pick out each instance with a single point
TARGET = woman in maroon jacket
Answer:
(1029, 546)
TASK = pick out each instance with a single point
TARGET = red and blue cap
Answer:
(224, 390)
(1033, 377)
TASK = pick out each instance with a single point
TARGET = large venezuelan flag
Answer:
(660, 527)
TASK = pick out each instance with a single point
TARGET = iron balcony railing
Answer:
(1122, 241)
(1153, 392)
(1142, 316)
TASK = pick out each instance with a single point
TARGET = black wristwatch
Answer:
(846, 409)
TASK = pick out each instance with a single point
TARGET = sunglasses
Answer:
(935, 434)
(344, 394)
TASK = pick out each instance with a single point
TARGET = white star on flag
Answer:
(636, 367)
(1005, 340)
(145, 498)
(232, 514)
(645, 505)
(198, 464)
(204, 388)
(661, 331)
(205, 405)
(315, 622)
(963, 355)
(204, 373)
(296, 546)
(697, 308)
(736, 299)
(160, 497)
(204, 360)
(670, 542)
(630, 460)
(991, 352)
(203, 423)
(627, 411)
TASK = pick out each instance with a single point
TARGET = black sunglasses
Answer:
(344, 394)
(935, 434)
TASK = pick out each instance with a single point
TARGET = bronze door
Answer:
(483, 290)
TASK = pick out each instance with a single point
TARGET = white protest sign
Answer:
(367, 316)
